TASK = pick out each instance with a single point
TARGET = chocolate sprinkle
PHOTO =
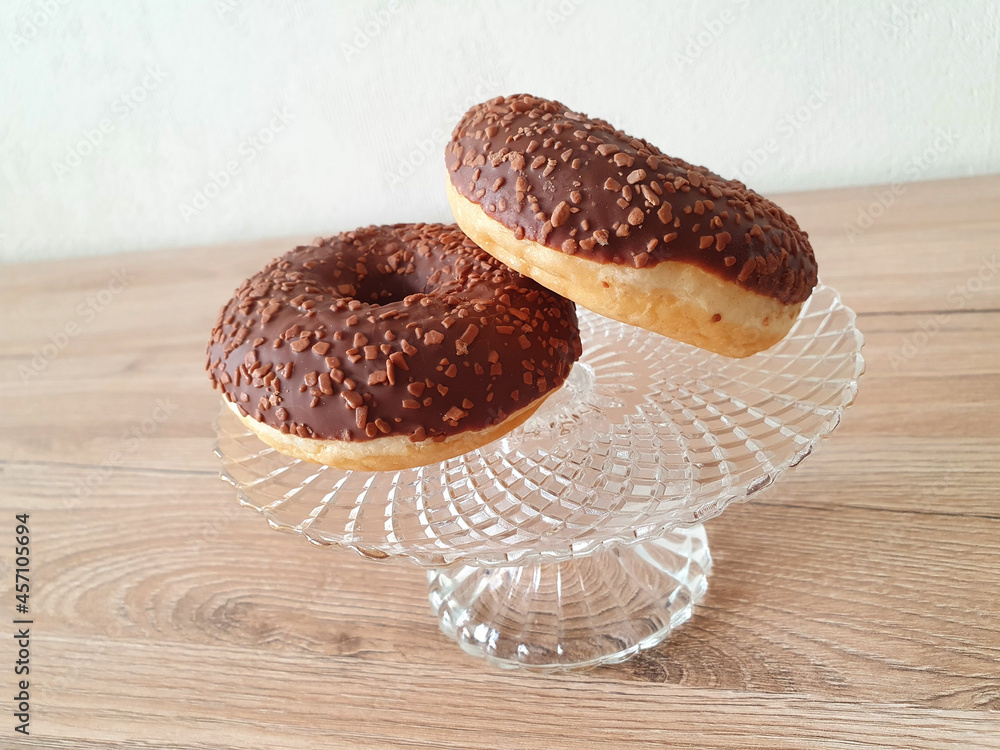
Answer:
(394, 284)
(625, 193)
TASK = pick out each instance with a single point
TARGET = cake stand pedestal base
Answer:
(576, 613)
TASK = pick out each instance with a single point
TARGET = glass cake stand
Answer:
(577, 539)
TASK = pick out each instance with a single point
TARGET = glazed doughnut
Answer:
(614, 224)
(389, 347)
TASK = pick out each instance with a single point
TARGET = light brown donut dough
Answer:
(674, 299)
(391, 453)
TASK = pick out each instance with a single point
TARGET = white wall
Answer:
(332, 115)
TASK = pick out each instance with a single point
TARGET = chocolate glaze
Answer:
(409, 329)
(578, 185)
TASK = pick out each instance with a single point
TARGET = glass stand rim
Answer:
(652, 457)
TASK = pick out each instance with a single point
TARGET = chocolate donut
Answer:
(389, 347)
(613, 223)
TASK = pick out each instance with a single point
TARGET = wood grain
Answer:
(855, 604)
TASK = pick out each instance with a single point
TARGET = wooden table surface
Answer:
(855, 604)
